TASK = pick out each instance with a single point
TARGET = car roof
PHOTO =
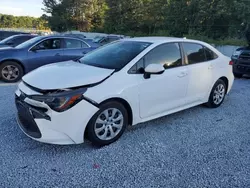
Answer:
(88, 41)
(62, 36)
(160, 39)
(20, 35)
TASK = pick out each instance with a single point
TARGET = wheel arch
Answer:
(225, 80)
(125, 104)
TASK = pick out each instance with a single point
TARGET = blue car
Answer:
(39, 51)
(15, 40)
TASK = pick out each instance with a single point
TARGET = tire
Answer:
(220, 89)
(237, 75)
(11, 72)
(98, 123)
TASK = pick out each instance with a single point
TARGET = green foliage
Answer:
(226, 41)
(9, 21)
(82, 15)
(215, 20)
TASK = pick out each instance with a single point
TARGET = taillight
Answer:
(231, 62)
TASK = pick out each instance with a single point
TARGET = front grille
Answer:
(26, 119)
(245, 56)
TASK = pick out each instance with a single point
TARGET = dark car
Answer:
(102, 40)
(75, 35)
(241, 61)
(15, 40)
(39, 51)
(6, 34)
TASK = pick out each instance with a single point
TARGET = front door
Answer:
(46, 52)
(162, 93)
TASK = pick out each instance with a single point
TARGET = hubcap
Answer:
(109, 124)
(219, 94)
(10, 72)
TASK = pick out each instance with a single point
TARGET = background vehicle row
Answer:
(39, 51)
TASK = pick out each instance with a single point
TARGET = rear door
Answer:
(74, 49)
(200, 72)
(46, 52)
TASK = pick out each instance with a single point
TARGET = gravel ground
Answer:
(198, 147)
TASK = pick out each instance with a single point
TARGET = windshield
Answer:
(29, 42)
(115, 55)
(4, 41)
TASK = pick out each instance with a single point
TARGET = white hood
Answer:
(65, 75)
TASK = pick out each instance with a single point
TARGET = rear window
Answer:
(210, 55)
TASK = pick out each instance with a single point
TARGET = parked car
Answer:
(241, 61)
(15, 40)
(123, 83)
(91, 42)
(102, 40)
(6, 34)
(39, 51)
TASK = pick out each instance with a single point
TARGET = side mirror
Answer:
(153, 69)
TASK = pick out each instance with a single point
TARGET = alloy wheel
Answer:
(10, 72)
(109, 124)
(219, 94)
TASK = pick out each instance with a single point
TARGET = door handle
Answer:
(84, 53)
(58, 54)
(210, 67)
(182, 74)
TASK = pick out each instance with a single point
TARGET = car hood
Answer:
(65, 75)
(6, 48)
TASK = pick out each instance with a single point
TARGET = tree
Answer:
(9, 21)
(82, 15)
(212, 19)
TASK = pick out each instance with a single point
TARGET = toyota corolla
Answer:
(123, 83)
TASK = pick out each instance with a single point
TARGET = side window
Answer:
(210, 55)
(138, 68)
(168, 55)
(73, 43)
(195, 53)
(84, 45)
(49, 44)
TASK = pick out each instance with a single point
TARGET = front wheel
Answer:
(11, 71)
(108, 124)
(217, 94)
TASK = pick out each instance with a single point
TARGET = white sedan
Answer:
(123, 83)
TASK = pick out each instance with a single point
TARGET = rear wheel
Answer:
(217, 94)
(11, 71)
(108, 124)
(237, 75)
